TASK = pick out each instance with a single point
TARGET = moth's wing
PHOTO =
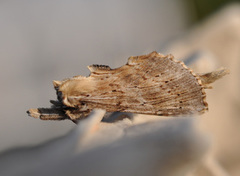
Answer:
(149, 84)
(166, 86)
(174, 88)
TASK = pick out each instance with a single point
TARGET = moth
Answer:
(152, 84)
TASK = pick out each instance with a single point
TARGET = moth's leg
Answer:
(47, 114)
(75, 115)
(75, 121)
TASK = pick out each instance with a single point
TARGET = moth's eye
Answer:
(83, 103)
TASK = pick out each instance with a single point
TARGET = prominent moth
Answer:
(149, 84)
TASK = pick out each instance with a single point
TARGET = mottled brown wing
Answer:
(149, 84)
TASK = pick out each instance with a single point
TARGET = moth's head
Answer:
(71, 91)
(61, 91)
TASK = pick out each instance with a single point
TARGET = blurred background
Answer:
(47, 40)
